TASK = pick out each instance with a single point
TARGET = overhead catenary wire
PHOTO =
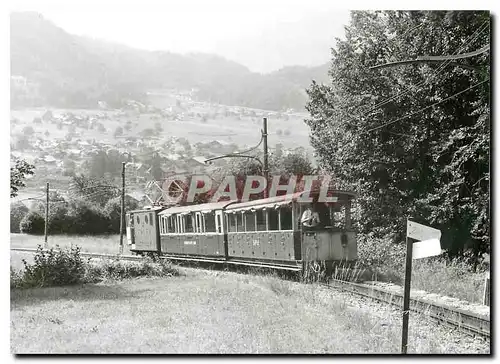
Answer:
(423, 109)
(434, 73)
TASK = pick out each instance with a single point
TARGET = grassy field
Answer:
(452, 279)
(108, 244)
(216, 312)
(229, 129)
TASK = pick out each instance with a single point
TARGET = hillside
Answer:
(63, 70)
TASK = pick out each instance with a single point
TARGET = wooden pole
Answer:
(266, 166)
(406, 298)
(47, 215)
(122, 212)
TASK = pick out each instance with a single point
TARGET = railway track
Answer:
(475, 322)
(444, 311)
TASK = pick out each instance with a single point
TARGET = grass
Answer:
(450, 279)
(384, 261)
(105, 244)
(215, 312)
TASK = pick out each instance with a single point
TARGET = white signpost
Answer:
(428, 244)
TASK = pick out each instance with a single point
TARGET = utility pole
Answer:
(122, 213)
(47, 215)
(406, 297)
(266, 166)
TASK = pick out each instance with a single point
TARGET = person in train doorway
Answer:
(310, 219)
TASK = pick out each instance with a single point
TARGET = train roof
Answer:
(204, 207)
(273, 202)
(149, 209)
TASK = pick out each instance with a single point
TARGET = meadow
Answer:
(204, 311)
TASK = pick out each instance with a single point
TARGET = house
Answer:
(50, 159)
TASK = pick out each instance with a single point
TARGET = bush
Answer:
(17, 213)
(51, 268)
(113, 211)
(117, 269)
(382, 256)
(67, 267)
(32, 223)
(87, 218)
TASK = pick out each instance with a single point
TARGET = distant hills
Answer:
(62, 70)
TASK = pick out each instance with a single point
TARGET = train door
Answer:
(129, 219)
(145, 231)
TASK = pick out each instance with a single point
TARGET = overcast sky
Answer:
(262, 35)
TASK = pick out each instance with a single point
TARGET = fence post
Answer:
(46, 216)
(486, 294)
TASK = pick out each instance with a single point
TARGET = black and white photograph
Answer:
(249, 177)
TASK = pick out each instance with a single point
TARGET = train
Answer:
(268, 232)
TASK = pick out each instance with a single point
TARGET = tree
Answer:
(118, 132)
(128, 125)
(28, 130)
(379, 132)
(96, 190)
(18, 174)
(147, 133)
(101, 128)
(158, 128)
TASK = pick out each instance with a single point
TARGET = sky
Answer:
(262, 35)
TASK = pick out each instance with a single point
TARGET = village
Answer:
(171, 135)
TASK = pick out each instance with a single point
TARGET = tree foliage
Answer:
(18, 173)
(404, 157)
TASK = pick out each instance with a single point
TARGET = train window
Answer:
(138, 220)
(232, 222)
(172, 224)
(146, 218)
(249, 221)
(209, 222)
(219, 224)
(151, 219)
(239, 222)
(261, 220)
(198, 227)
(286, 218)
(273, 216)
(189, 223)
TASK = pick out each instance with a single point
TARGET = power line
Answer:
(434, 73)
(436, 58)
(425, 108)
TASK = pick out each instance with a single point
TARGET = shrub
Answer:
(17, 213)
(117, 269)
(32, 223)
(382, 256)
(51, 268)
(60, 221)
(87, 218)
(113, 211)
